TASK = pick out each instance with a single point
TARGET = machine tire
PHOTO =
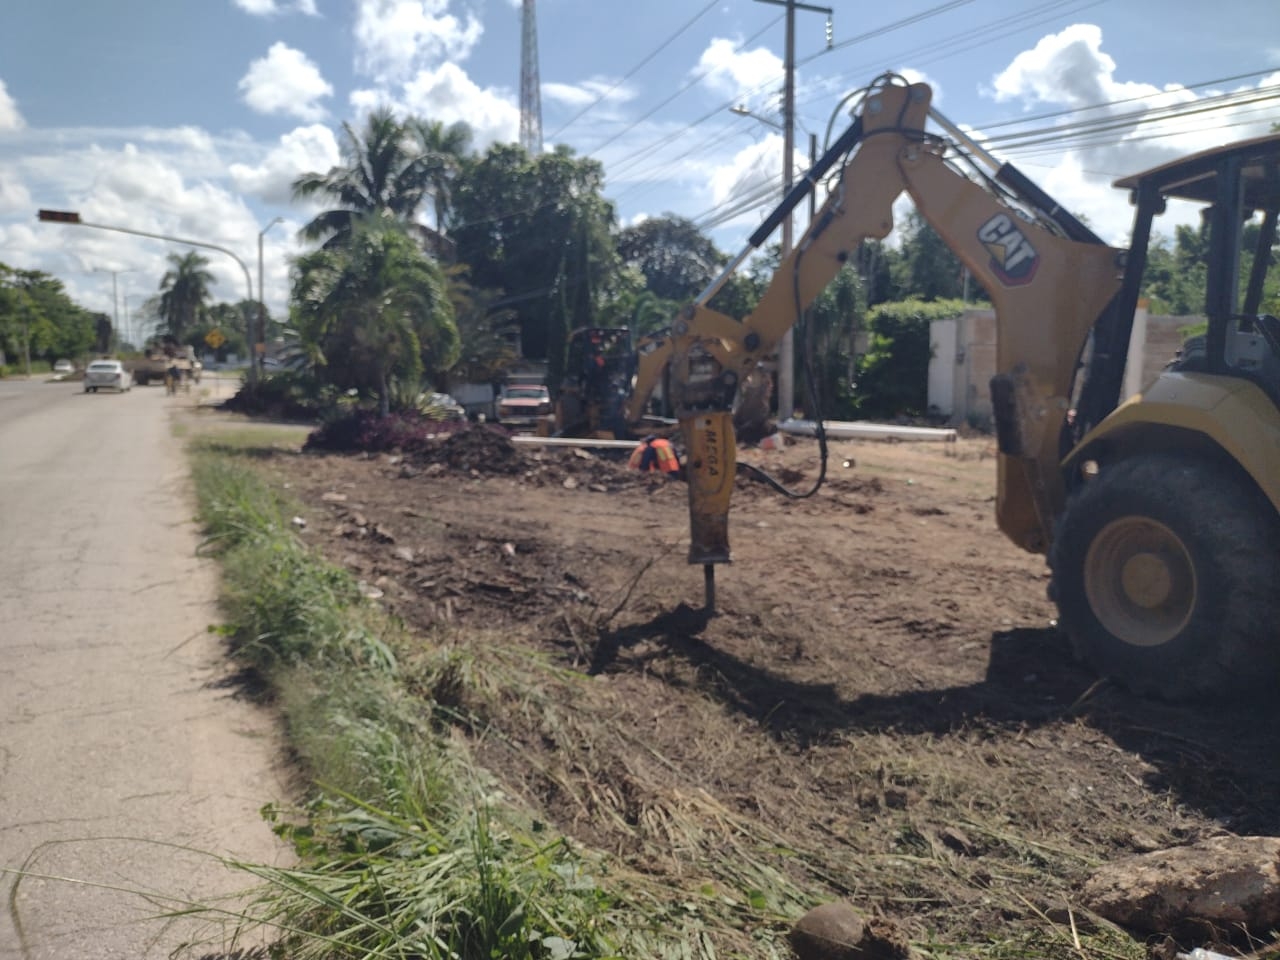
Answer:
(1165, 573)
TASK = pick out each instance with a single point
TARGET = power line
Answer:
(695, 80)
(662, 46)
(1036, 15)
(1115, 103)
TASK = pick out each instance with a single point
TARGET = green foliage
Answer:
(373, 309)
(892, 377)
(1175, 277)
(539, 230)
(38, 321)
(926, 269)
(284, 606)
(675, 258)
(387, 171)
(184, 293)
(825, 339)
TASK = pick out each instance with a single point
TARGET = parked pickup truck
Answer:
(524, 404)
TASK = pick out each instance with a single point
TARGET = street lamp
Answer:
(73, 217)
(260, 339)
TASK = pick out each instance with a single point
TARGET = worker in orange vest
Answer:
(654, 454)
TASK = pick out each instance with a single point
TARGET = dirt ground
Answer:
(881, 710)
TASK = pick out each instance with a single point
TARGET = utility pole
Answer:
(115, 304)
(787, 349)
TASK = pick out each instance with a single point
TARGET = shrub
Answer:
(893, 375)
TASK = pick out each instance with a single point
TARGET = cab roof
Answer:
(1193, 177)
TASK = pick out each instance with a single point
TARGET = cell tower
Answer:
(530, 90)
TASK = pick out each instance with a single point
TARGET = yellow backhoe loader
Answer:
(1160, 517)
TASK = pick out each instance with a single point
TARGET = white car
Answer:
(63, 366)
(107, 375)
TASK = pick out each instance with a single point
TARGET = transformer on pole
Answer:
(530, 89)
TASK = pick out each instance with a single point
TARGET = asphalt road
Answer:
(124, 761)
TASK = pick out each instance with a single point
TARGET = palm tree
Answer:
(370, 183)
(441, 151)
(375, 309)
(184, 291)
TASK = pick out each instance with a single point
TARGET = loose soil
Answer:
(881, 709)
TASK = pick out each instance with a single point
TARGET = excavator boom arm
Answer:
(1048, 289)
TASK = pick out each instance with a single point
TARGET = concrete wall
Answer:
(964, 361)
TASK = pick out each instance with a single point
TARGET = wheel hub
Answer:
(1147, 580)
(1140, 581)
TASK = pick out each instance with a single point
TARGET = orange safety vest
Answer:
(651, 455)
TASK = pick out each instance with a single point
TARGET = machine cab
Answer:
(1238, 188)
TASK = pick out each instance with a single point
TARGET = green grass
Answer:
(405, 846)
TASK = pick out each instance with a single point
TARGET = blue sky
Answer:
(192, 118)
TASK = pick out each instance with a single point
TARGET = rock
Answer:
(404, 553)
(1225, 882)
(359, 519)
(332, 497)
(509, 549)
(298, 522)
(570, 483)
(383, 534)
(836, 931)
(582, 454)
(598, 488)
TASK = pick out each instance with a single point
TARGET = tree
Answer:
(184, 293)
(676, 259)
(38, 319)
(927, 269)
(440, 154)
(375, 309)
(538, 230)
(827, 334)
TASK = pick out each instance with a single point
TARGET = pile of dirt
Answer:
(480, 449)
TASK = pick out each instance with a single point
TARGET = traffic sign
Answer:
(214, 338)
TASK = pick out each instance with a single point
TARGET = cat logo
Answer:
(1013, 257)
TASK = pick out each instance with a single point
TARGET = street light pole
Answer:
(73, 217)
(262, 304)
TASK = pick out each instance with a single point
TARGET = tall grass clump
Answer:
(284, 605)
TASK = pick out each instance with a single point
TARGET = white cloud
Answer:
(397, 38)
(1070, 70)
(577, 95)
(142, 186)
(304, 150)
(15, 199)
(739, 73)
(1065, 68)
(271, 8)
(10, 118)
(448, 95)
(285, 81)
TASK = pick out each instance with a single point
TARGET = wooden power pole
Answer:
(786, 350)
